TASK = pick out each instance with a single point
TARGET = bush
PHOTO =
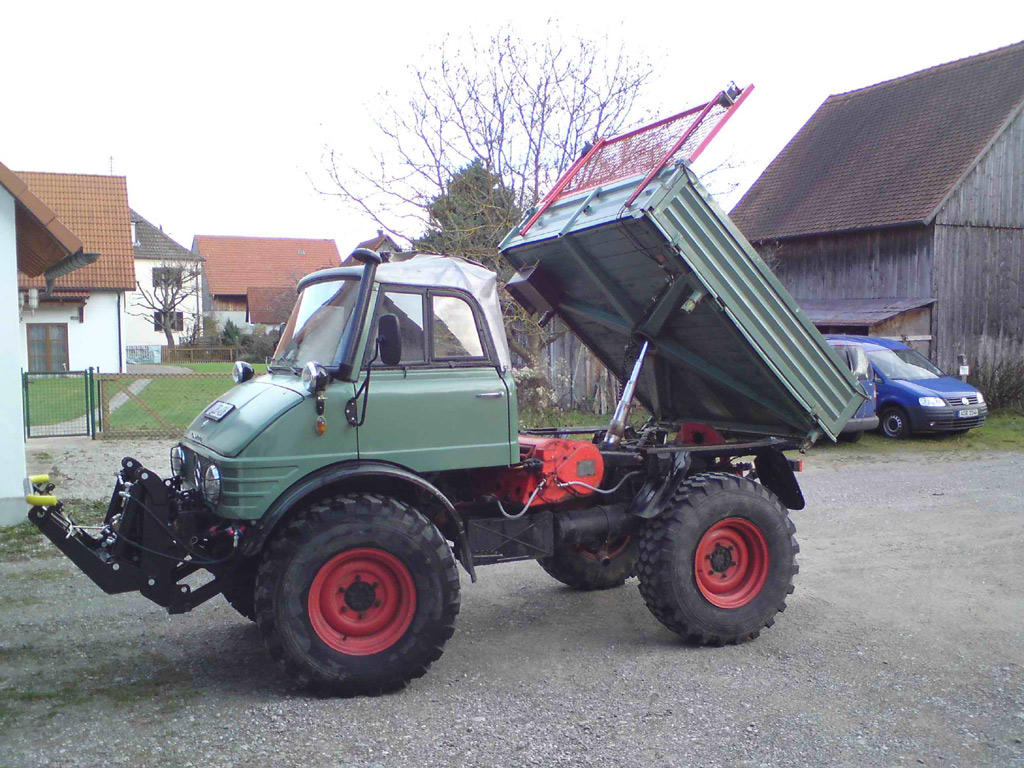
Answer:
(533, 389)
(998, 371)
(259, 347)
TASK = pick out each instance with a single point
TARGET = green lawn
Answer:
(224, 368)
(176, 400)
(1001, 432)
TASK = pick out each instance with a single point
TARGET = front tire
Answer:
(850, 437)
(716, 566)
(600, 566)
(357, 595)
(894, 423)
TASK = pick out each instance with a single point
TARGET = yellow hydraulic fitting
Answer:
(38, 479)
(41, 501)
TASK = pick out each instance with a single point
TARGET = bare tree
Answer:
(518, 111)
(171, 297)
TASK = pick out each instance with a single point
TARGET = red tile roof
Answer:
(235, 264)
(270, 305)
(887, 154)
(95, 208)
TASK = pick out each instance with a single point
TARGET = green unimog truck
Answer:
(331, 499)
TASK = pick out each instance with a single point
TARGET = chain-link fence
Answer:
(59, 403)
(154, 405)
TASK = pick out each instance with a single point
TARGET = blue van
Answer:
(913, 395)
(865, 418)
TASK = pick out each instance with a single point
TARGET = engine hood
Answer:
(254, 406)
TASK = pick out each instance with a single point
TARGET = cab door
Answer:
(445, 405)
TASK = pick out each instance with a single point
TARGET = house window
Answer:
(171, 321)
(47, 346)
(167, 277)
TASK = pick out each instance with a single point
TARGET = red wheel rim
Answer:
(362, 601)
(606, 550)
(731, 563)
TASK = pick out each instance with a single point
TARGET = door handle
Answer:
(491, 394)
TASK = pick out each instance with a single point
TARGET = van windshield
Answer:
(319, 325)
(906, 364)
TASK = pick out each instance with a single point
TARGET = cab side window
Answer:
(455, 335)
(408, 308)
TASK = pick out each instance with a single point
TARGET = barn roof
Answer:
(888, 154)
(235, 264)
(95, 208)
(857, 312)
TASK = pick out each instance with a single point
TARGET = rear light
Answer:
(797, 465)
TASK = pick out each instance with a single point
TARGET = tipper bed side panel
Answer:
(739, 355)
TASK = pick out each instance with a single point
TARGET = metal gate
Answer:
(60, 403)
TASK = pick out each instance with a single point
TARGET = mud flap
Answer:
(776, 474)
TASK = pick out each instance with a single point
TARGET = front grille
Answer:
(958, 402)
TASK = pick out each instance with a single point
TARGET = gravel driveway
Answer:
(903, 645)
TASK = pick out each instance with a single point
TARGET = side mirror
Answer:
(389, 340)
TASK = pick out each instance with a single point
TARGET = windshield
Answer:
(904, 364)
(318, 325)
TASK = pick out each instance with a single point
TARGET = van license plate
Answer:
(968, 413)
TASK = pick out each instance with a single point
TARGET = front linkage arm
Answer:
(139, 547)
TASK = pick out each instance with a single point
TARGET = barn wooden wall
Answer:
(880, 263)
(979, 252)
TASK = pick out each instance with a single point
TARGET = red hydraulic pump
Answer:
(550, 470)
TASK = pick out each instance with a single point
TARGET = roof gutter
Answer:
(68, 264)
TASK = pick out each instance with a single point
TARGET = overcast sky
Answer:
(219, 113)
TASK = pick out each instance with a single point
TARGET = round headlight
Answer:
(314, 377)
(211, 485)
(177, 460)
(242, 372)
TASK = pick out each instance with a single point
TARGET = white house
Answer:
(79, 323)
(34, 243)
(167, 292)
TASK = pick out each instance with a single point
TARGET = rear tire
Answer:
(717, 564)
(850, 437)
(357, 595)
(583, 567)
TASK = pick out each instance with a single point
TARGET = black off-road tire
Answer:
(241, 592)
(668, 551)
(894, 423)
(580, 568)
(343, 526)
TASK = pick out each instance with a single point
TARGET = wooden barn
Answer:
(898, 209)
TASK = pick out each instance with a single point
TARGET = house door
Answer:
(47, 346)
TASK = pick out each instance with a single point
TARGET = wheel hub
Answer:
(731, 563)
(362, 601)
(360, 595)
(721, 559)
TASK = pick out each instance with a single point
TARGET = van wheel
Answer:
(850, 437)
(598, 566)
(357, 595)
(894, 423)
(717, 564)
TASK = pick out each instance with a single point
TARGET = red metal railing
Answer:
(645, 151)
